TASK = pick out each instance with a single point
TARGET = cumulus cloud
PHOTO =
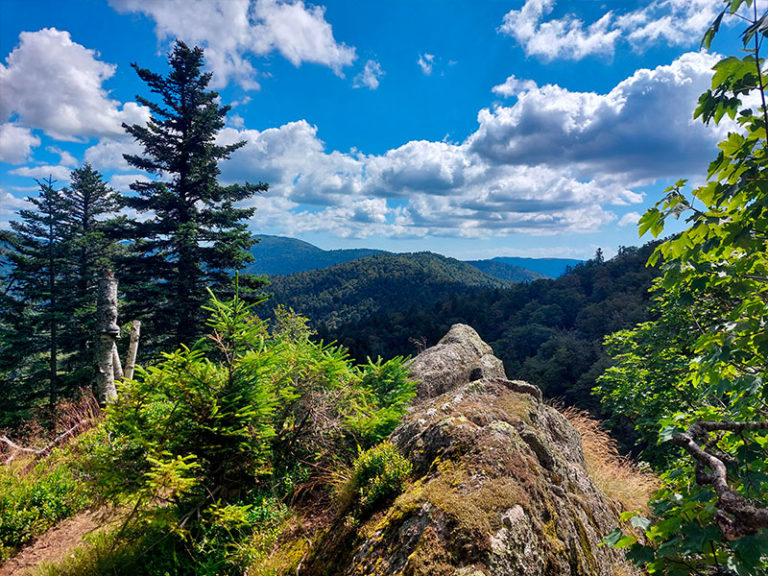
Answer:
(629, 219)
(513, 86)
(639, 131)
(233, 31)
(16, 143)
(9, 207)
(553, 161)
(426, 62)
(54, 84)
(57, 172)
(107, 153)
(674, 22)
(65, 158)
(370, 75)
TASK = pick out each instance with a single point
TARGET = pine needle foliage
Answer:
(191, 235)
(250, 413)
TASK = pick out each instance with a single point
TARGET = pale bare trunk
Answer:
(117, 367)
(133, 347)
(108, 332)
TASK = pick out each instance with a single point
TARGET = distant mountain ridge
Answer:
(546, 267)
(506, 271)
(354, 290)
(280, 255)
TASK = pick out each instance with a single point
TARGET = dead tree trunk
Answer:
(108, 332)
(133, 347)
(117, 366)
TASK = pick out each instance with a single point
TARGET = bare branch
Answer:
(735, 516)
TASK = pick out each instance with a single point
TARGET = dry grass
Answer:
(34, 441)
(620, 479)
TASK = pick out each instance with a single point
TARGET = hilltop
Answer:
(355, 290)
(280, 255)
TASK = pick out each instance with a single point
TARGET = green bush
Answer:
(379, 474)
(219, 433)
(32, 503)
(386, 391)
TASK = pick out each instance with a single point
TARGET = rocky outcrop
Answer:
(499, 484)
(461, 356)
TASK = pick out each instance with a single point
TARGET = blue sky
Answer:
(469, 128)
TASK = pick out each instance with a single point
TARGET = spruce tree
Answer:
(193, 236)
(91, 249)
(35, 306)
(51, 260)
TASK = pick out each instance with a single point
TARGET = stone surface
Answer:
(459, 357)
(499, 486)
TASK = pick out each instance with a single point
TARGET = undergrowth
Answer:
(203, 449)
(37, 490)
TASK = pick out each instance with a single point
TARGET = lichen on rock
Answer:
(499, 485)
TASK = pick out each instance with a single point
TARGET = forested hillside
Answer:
(278, 255)
(547, 331)
(504, 271)
(357, 290)
(547, 267)
(290, 433)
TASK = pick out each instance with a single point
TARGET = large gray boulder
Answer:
(499, 485)
(459, 357)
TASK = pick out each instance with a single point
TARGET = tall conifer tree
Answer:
(90, 249)
(34, 309)
(51, 259)
(193, 236)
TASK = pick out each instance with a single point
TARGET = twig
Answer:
(40, 452)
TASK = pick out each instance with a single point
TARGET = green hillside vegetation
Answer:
(250, 436)
(356, 290)
(505, 271)
(203, 449)
(547, 267)
(281, 256)
(548, 331)
(278, 255)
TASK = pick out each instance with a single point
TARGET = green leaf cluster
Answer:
(378, 475)
(705, 358)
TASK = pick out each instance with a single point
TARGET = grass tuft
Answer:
(617, 476)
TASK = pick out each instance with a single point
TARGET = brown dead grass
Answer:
(619, 478)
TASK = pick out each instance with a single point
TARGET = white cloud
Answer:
(16, 143)
(65, 158)
(57, 173)
(9, 207)
(232, 31)
(370, 75)
(639, 131)
(54, 84)
(107, 153)
(629, 219)
(426, 62)
(513, 86)
(674, 22)
(554, 161)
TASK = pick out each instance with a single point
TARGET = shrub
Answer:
(386, 391)
(32, 503)
(247, 411)
(378, 475)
